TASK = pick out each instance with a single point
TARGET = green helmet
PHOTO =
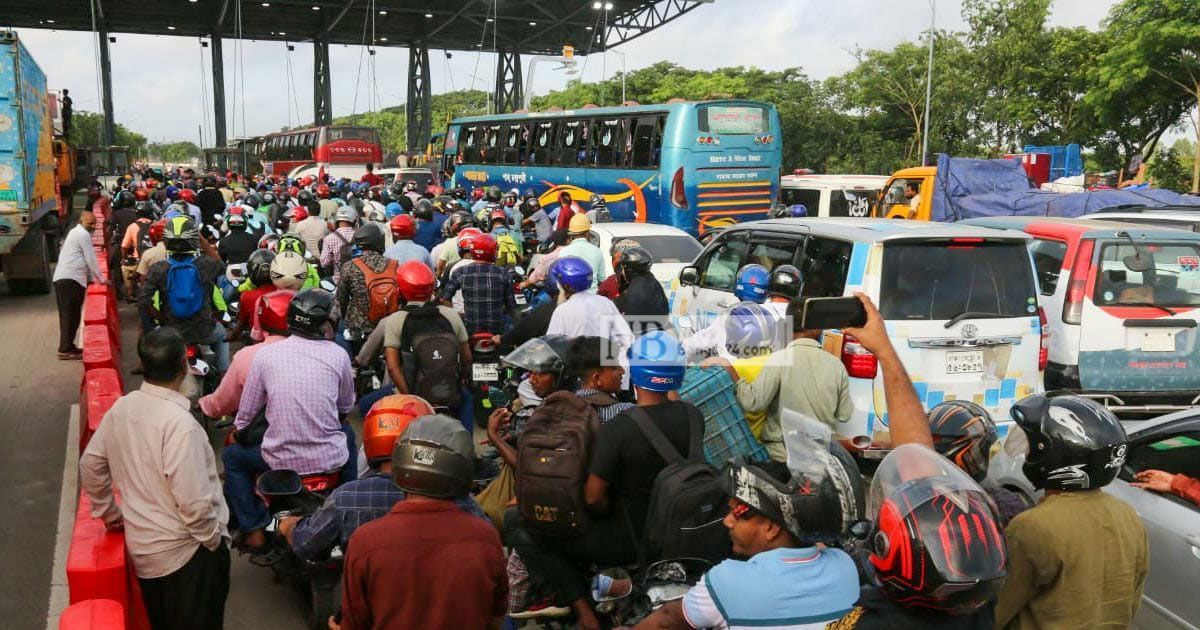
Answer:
(180, 236)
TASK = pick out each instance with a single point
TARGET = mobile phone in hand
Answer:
(835, 312)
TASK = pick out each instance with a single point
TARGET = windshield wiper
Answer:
(1150, 304)
(969, 315)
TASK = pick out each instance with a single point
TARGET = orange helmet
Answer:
(402, 227)
(323, 191)
(387, 420)
(141, 194)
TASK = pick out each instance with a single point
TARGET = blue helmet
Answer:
(393, 210)
(751, 283)
(750, 330)
(572, 273)
(656, 362)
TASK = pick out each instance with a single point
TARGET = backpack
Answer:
(184, 289)
(686, 509)
(600, 400)
(508, 253)
(383, 294)
(431, 356)
(143, 237)
(552, 465)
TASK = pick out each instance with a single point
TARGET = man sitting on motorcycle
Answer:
(305, 385)
(271, 315)
(488, 294)
(363, 500)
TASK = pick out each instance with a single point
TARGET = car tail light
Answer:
(1044, 351)
(859, 362)
(678, 196)
(1081, 270)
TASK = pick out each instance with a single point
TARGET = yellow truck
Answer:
(908, 194)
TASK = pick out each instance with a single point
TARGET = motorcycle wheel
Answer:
(323, 603)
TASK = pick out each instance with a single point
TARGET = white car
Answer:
(336, 171)
(423, 176)
(1182, 219)
(672, 248)
(832, 195)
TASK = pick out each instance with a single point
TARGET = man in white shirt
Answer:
(77, 265)
(583, 313)
(172, 507)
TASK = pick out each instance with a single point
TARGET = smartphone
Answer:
(836, 312)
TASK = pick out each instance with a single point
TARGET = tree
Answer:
(392, 122)
(1168, 170)
(87, 129)
(174, 152)
(1149, 76)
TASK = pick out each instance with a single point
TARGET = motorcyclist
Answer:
(430, 218)
(567, 209)
(641, 295)
(964, 433)
(236, 246)
(535, 215)
(487, 289)
(448, 253)
(611, 286)
(258, 283)
(293, 242)
(353, 297)
(403, 249)
(311, 388)
(270, 315)
(583, 312)
(289, 270)
(579, 246)
(544, 359)
(749, 286)
(334, 244)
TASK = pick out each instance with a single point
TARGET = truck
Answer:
(32, 204)
(964, 188)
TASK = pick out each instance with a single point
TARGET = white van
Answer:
(832, 195)
(960, 303)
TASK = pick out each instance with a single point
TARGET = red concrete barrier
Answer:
(101, 388)
(95, 311)
(98, 348)
(93, 614)
(96, 562)
(110, 296)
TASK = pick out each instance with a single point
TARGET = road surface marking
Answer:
(60, 596)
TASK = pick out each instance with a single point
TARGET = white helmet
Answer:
(289, 270)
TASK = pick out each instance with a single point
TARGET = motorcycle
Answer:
(485, 374)
(201, 367)
(622, 601)
(290, 494)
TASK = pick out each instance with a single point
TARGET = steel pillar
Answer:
(110, 127)
(508, 80)
(417, 107)
(322, 87)
(218, 81)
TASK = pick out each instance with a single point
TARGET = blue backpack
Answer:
(185, 291)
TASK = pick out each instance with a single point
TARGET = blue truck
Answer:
(31, 201)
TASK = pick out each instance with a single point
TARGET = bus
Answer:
(321, 146)
(696, 166)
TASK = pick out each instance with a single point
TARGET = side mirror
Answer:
(328, 285)
(519, 271)
(689, 276)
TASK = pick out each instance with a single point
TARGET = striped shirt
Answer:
(607, 412)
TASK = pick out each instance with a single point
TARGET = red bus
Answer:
(323, 146)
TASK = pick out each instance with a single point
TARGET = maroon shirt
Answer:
(426, 564)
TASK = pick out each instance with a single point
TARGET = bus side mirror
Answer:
(689, 276)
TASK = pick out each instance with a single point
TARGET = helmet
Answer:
(258, 266)
(387, 420)
(268, 198)
(410, 185)
(144, 209)
(172, 192)
(596, 201)
(272, 311)
(141, 194)
(434, 457)
(291, 243)
(751, 330)
(493, 194)
(304, 196)
(236, 222)
(188, 195)
(347, 214)
(809, 506)
(575, 274)
(459, 192)
(483, 247)
(298, 214)
(124, 199)
(269, 242)
(456, 222)
(751, 285)
(323, 191)
(784, 281)
(936, 541)
(498, 215)
(289, 270)
(634, 261)
(181, 236)
(656, 362)
(309, 312)
(392, 210)
(1074, 443)
(402, 227)
(442, 204)
(156, 230)
(253, 201)
(964, 433)
(465, 236)
(415, 280)
(369, 237)
(579, 224)
(546, 355)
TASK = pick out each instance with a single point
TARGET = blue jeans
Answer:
(243, 465)
(466, 409)
(220, 347)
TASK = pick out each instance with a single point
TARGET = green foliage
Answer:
(1169, 171)
(173, 152)
(87, 130)
(393, 123)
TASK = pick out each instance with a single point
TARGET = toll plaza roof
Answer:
(528, 26)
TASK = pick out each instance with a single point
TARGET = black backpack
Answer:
(553, 454)
(430, 352)
(143, 237)
(686, 509)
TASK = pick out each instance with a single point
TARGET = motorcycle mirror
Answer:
(328, 285)
(279, 483)
(611, 584)
(860, 530)
(519, 271)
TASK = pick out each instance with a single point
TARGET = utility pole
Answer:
(928, 87)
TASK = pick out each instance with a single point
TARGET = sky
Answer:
(172, 100)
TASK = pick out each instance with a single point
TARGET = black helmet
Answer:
(634, 262)
(253, 200)
(181, 236)
(423, 209)
(458, 192)
(964, 433)
(396, 189)
(369, 237)
(546, 354)
(124, 199)
(145, 209)
(434, 457)
(304, 195)
(1074, 443)
(258, 267)
(812, 508)
(492, 194)
(784, 281)
(309, 312)
(268, 198)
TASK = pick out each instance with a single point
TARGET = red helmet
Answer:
(156, 230)
(386, 422)
(323, 191)
(141, 194)
(498, 215)
(403, 227)
(306, 180)
(483, 247)
(415, 280)
(188, 195)
(293, 191)
(465, 236)
(299, 214)
(271, 313)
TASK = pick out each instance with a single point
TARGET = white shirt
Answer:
(76, 259)
(457, 301)
(588, 314)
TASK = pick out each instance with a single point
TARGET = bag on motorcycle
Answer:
(383, 294)
(552, 465)
(508, 253)
(685, 516)
(430, 352)
(185, 290)
(252, 434)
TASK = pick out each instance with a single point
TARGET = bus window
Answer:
(468, 149)
(541, 147)
(511, 153)
(491, 144)
(643, 143)
(586, 153)
(569, 140)
(660, 126)
(608, 138)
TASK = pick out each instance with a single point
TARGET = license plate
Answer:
(1158, 341)
(520, 298)
(964, 362)
(485, 372)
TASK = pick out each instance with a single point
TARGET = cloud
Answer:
(161, 90)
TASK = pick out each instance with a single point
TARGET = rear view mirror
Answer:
(1140, 262)
(689, 276)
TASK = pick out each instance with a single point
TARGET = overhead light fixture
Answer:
(588, 28)
(383, 12)
(597, 5)
(533, 23)
(170, 28)
(316, 8)
(491, 20)
(49, 21)
(428, 16)
(608, 6)
(193, 1)
(383, 39)
(281, 33)
(266, 4)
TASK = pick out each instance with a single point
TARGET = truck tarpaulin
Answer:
(966, 188)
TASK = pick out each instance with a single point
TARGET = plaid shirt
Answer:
(605, 413)
(487, 294)
(331, 247)
(348, 508)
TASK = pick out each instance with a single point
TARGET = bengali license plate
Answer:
(520, 298)
(964, 362)
(485, 372)
(1158, 341)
